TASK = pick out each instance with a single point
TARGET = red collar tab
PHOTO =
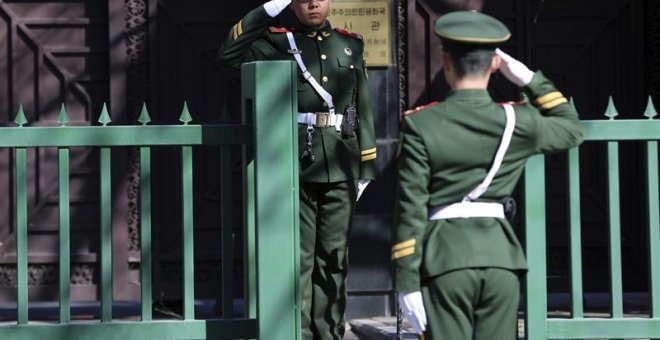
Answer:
(520, 102)
(348, 33)
(419, 108)
(279, 30)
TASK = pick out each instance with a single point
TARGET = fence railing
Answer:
(538, 325)
(269, 96)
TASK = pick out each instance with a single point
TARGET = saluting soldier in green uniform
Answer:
(456, 257)
(337, 143)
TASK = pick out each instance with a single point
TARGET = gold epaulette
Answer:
(419, 108)
(550, 100)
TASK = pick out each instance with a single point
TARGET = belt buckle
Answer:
(322, 119)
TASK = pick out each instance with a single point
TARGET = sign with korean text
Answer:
(371, 19)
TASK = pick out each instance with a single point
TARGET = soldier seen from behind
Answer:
(337, 143)
(457, 260)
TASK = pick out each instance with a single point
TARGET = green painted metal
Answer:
(144, 117)
(596, 328)
(250, 246)
(577, 327)
(272, 234)
(185, 117)
(110, 136)
(621, 130)
(104, 118)
(575, 233)
(63, 117)
(188, 241)
(535, 286)
(106, 235)
(616, 280)
(65, 236)
(21, 236)
(278, 310)
(654, 226)
(144, 330)
(145, 232)
(227, 235)
(20, 119)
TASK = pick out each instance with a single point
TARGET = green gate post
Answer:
(535, 285)
(270, 93)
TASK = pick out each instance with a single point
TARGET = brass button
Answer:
(324, 57)
(319, 38)
(325, 79)
(325, 104)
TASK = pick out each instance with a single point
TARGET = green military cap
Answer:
(470, 30)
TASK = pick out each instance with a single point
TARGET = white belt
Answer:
(320, 119)
(467, 210)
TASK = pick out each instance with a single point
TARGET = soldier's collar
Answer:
(312, 32)
(469, 94)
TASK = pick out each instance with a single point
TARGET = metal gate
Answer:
(615, 324)
(271, 248)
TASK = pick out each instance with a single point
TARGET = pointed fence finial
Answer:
(104, 119)
(611, 109)
(20, 117)
(185, 117)
(63, 117)
(650, 111)
(144, 115)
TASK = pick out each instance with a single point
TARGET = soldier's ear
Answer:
(495, 63)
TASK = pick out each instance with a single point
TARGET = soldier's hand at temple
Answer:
(413, 307)
(275, 7)
(514, 70)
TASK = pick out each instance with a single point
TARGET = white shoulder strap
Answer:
(499, 155)
(308, 76)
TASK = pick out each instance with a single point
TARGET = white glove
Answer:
(361, 185)
(275, 7)
(413, 307)
(514, 70)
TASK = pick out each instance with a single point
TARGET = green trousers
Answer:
(326, 211)
(472, 304)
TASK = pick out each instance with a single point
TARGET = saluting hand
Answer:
(275, 7)
(514, 70)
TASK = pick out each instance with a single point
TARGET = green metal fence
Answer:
(538, 325)
(272, 298)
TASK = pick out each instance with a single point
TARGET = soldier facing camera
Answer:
(336, 137)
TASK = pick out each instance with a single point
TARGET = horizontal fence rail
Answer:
(617, 326)
(269, 94)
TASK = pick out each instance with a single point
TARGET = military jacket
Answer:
(335, 59)
(446, 151)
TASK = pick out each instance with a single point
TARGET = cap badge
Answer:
(348, 51)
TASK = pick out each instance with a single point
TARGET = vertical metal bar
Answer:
(250, 245)
(654, 226)
(536, 300)
(21, 236)
(65, 237)
(188, 241)
(577, 308)
(106, 236)
(278, 291)
(227, 226)
(615, 230)
(145, 232)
